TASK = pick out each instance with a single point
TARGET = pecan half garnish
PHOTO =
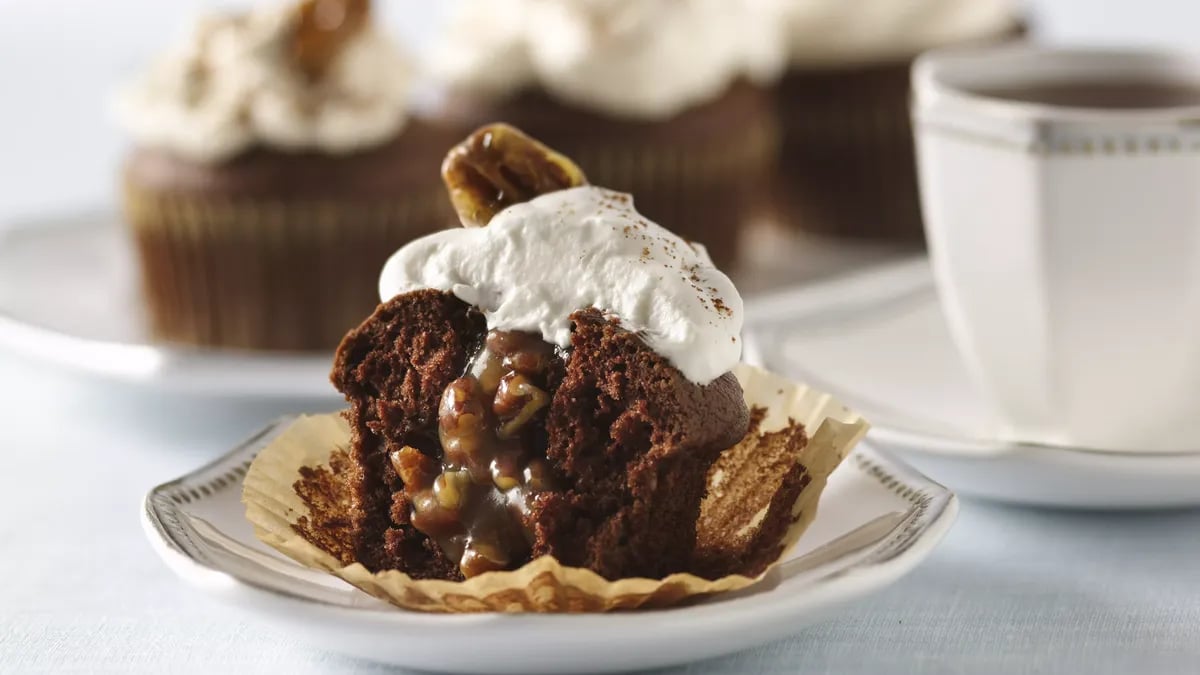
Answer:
(498, 166)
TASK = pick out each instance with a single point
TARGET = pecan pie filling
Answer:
(491, 426)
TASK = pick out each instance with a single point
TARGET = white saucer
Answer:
(878, 519)
(69, 296)
(878, 341)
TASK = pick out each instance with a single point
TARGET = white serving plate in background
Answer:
(69, 296)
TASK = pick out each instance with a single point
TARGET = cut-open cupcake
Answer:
(547, 413)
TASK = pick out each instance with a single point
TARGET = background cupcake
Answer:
(847, 166)
(275, 167)
(660, 98)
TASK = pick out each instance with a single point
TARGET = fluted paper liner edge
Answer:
(273, 507)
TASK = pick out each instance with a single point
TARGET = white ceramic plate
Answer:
(878, 519)
(69, 296)
(878, 341)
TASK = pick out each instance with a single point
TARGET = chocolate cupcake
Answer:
(662, 99)
(275, 165)
(547, 413)
(847, 167)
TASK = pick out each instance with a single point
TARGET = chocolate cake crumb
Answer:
(327, 492)
(763, 479)
(635, 440)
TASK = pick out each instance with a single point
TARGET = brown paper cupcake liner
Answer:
(847, 166)
(257, 273)
(771, 471)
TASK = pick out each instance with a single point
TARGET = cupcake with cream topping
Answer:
(662, 98)
(546, 412)
(275, 164)
(847, 167)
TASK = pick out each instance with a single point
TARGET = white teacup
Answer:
(1065, 236)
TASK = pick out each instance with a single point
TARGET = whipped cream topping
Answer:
(635, 58)
(822, 31)
(538, 262)
(231, 84)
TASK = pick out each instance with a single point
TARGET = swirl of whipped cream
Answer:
(538, 262)
(634, 58)
(825, 31)
(231, 85)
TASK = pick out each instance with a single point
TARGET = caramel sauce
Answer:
(475, 503)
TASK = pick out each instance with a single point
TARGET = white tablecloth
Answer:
(1010, 591)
